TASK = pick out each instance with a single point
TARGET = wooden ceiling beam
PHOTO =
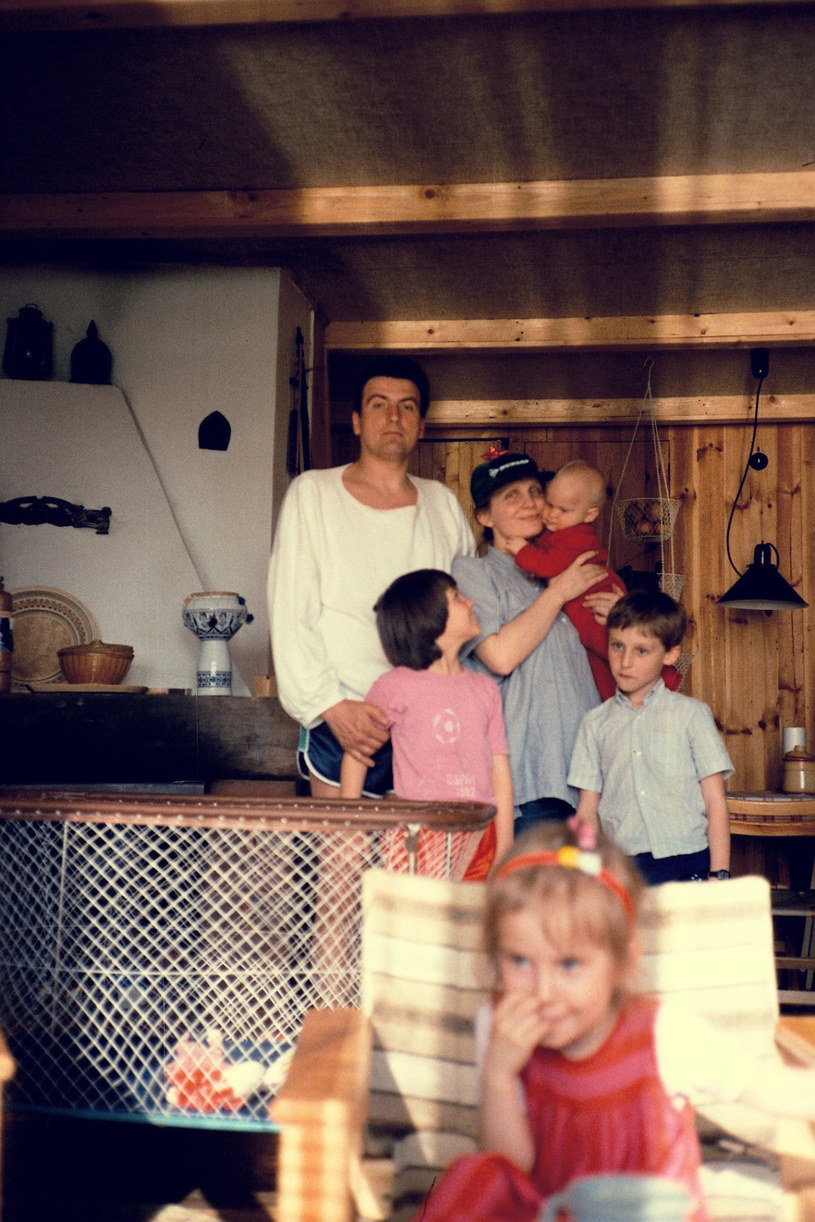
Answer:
(37, 16)
(690, 199)
(647, 332)
(690, 409)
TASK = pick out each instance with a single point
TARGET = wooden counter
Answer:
(64, 738)
(772, 814)
(773, 835)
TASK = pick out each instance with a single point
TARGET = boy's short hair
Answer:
(392, 365)
(411, 615)
(655, 612)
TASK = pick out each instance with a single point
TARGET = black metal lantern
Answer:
(29, 350)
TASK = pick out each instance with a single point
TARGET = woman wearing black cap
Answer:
(526, 643)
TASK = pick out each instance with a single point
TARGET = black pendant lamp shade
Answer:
(761, 587)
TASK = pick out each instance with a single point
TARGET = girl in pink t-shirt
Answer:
(446, 723)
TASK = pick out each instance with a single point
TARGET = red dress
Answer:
(609, 1113)
(553, 552)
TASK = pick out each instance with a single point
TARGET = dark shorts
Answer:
(320, 755)
(683, 868)
(541, 810)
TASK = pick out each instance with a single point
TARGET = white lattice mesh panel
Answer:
(118, 941)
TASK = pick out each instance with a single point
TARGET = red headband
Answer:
(572, 859)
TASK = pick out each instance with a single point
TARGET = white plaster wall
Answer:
(185, 342)
(128, 583)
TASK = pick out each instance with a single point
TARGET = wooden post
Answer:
(321, 1109)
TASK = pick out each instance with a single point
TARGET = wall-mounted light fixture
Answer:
(761, 587)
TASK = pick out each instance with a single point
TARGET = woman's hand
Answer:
(514, 641)
(601, 603)
(579, 577)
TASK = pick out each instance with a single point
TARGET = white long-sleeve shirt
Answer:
(332, 558)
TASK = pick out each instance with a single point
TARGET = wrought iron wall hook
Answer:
(38, 510)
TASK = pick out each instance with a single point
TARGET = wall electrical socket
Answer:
(760, 362)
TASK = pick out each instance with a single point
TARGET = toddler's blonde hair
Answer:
(573, 903)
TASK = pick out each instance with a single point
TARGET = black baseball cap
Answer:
(505, 469)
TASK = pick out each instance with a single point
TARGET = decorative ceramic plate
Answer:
(44, 621)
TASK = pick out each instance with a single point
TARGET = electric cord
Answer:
(747, 466)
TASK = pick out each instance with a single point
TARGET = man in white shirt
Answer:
(343, 535)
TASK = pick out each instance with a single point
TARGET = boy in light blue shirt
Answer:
(649, 763)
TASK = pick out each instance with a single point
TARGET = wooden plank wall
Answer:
(756, 670)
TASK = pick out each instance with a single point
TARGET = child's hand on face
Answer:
(517, 1029)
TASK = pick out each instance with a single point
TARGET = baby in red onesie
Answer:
(574, 498)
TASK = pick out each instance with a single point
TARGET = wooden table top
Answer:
(772, 814)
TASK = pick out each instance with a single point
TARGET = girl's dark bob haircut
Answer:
(411, 615)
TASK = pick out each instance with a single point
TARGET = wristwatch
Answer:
(718, 874)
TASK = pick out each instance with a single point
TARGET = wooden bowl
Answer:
(95, 662)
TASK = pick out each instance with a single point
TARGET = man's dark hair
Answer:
(391, 365)
(655, 612)
(411, 615)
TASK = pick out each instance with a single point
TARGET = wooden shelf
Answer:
(743, 330)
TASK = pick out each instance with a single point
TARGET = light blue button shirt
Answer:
(647, 763)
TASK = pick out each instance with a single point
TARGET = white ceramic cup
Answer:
(620, 1198)
(793, 736)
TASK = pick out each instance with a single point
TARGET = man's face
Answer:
(389, 423)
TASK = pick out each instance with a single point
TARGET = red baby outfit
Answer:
(607, 1114)
(553, 552)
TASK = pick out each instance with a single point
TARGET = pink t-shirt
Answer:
(445, 730)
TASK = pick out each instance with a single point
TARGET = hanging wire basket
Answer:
(682, 664)
(648, 519)
(673, 584)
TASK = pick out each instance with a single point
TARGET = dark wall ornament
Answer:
(39, 510)
(91, 361)
(214, 432)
